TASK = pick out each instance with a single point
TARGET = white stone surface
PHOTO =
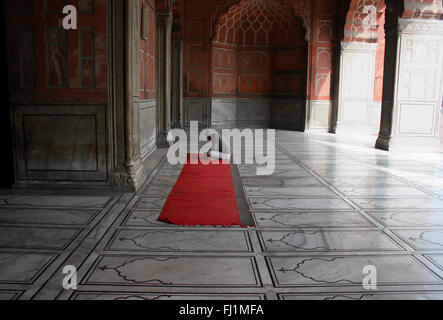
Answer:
(357, 112)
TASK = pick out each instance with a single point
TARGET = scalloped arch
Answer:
(299, 8)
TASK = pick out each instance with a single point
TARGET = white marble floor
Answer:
(333, 206)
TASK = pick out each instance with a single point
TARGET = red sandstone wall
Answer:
(356, 32)
(204, 62)
(47, 63)
(196, 35)
(259, 47)
(324, 40)
(422, 9)
(148, 53)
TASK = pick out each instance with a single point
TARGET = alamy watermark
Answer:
(70, 281)
(246, 147)
(70, 20)
(370, 278)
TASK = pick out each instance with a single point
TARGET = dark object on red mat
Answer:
(203, 195)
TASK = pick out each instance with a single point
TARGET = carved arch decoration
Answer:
(422, 9)
(257, 23)
(300, 8)
(365, 21)
(366, 18)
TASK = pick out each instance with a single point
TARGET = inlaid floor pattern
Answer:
(332, 207)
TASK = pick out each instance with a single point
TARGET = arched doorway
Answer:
(259, 62)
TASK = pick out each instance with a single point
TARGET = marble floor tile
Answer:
(418, 175)
(392, 203)
(333, 206)
(164, 181)
(438, 191)
(348, 270)
(297, 204)
(421, 218)
(422, 239)
(358, 182)
(173, 174)
(145, 218)
(162, 296)
(175, 271)
(287, 161)
(324, 163)
(340, 174)
(181, 240)
(158, 191)
(311, 219)
(8, 295)
(294, 192)
(421, 169)
(166, 165)
(425, 181)
(290, 165)
(251, 172)
(366, 296)
(54, 201)
(337, 167)
(280, 182)
(36, 237)
(151, 203)
(46, 216)
(385, 192)
(318, 240)
(22, 267)
(436, 259)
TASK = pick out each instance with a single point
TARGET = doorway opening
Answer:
(259, 63)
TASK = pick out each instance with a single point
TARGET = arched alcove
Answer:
(259, 61)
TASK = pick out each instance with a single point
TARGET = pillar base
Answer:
(319, 113)
(131, 178)
(409, 144)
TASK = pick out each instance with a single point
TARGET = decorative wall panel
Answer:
(56, 57)
(55, 138)
(419, 78)
(148, 126)
(357, 88)
(148, 50)
(411, 120)
(60, 142)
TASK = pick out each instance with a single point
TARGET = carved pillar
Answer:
(132, 177)
(164, 29)
(412, 86)
(357, 111)
(177, 85)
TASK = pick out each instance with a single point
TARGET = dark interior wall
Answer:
(259, 67)
(59, 91)
(216, 90)
(7, 167)
(247, 69)
(148, 51)
(259, 55)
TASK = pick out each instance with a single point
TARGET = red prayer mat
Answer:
(203, 195)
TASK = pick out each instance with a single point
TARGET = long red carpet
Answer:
(203, 195)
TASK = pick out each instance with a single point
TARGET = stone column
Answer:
(177, 85)
(164, 33)
(357, 112)
(132, 176)
(413, 86)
